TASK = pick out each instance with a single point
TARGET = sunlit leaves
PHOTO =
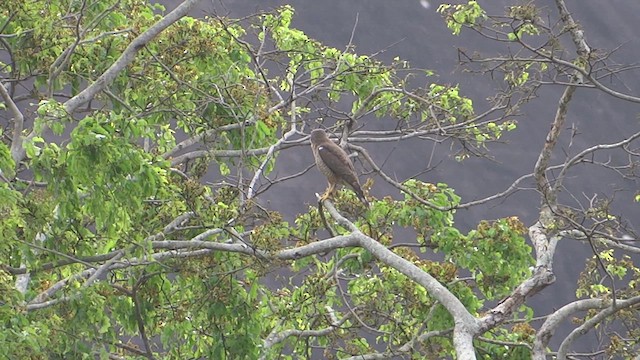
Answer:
(526, 16)
(604, 268)
(31, 146)
(498, 254)
(461, 14)
(7, 165)
(425, 219)
(126, 178)
(518, 75)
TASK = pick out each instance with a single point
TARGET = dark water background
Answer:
(407, 29)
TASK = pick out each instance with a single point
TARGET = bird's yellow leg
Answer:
(327, 192)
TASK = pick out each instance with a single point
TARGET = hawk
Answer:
(335, 164)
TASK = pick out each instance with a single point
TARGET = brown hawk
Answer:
(335, 164)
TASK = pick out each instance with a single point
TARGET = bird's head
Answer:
(318, 135)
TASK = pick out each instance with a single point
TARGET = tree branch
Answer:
(583, 153)
(120, 64)
(128, 55)
(593, 322)
(278, 337)
(18, 125)
(546, 331)
(542, 277)
(292, 131)
(466, 326)
(541, 166)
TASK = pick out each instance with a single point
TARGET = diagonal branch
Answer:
(18, 124)
(593, 322)
(120, 64)
(278, 337)
(128, 56)
(546, 331)
(540, 169)
(577, 35)
(292, 131)
(466, 325)
(542, 164)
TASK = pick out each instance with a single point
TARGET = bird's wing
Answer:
(336, 159)
(341, 166)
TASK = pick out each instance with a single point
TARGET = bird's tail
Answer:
(360, 195)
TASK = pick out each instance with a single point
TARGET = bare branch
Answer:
(546, 331)
(205, 135)
(576, 33)
(593, 322)
(63, 59)
(140, 321)
(292, 131)
(585, 152)
(18, 124)
(278, 337)
(580, 235)
(541, 167)
(396, 184)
